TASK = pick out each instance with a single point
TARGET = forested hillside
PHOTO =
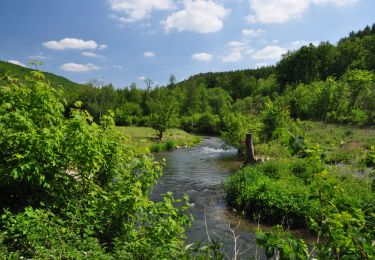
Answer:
(71, 89)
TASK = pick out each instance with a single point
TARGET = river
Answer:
(198, 172)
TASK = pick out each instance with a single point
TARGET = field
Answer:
(146, 138)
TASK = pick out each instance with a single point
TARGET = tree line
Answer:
(333, 83)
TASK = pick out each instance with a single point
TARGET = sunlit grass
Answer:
(147, 138)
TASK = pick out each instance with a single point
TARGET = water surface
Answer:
(198, 172)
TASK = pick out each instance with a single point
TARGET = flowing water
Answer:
(198, 172)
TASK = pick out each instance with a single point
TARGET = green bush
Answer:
(170, 145)
(358, 117)
(269, 190)
(208, 124)
(75, 189)
(369, 160)
(275, 115)
(235, 126)
(287, 190)
(155, 148)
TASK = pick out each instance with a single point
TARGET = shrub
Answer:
(170, 145)
(74, 188)
(370, 158)
(208, 124)
(274, 116)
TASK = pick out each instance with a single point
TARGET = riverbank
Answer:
(329, 189)
(147, 138)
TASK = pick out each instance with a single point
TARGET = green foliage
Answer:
(281, 243)
(347, 100)
(311, 63)
(274, 116)
(285, 190)
(236, 126)
(271, 190)
(345, 235)
(71, 90)
(338, 207)
(208, 124)
(370, 158)
(165, 146)
(163, 113)
(71, 188)
(41, 234)
(219, 100)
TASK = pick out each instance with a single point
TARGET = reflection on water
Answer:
(198, 172)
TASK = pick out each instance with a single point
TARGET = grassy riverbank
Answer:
(146, 137)
(340, 145)
(328, 190)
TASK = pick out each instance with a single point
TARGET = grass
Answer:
(285, 187)
(146, 138)
(344, 148)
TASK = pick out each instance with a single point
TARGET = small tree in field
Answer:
(164, 112)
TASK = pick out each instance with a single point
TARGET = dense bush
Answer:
(303, 192)
(71, 188)
(287, 190)
(235, 126)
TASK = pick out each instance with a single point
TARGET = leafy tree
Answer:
(196, 99)
(163, 112)
(219, 100)
(275, 115)
(71, 188)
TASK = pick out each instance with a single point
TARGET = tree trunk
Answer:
(250, 156)
(160, 136)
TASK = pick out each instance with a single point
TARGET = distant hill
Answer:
(72, 90)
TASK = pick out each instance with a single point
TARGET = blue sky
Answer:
(127, 41)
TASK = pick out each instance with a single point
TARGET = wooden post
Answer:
(250, 156)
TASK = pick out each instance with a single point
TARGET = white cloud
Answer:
(232, 57)
(272, 52)
(102, 47)
(237, 50)
(136, 10)
(197, 16)
(16, 62)
(142, 78)
(91, 54)
(298, 44)
(252, 33)
(119, 67)
(74, 67)
(335, 2)
(280, 11)
(202, 56)
(277, 11)
(70, 43)
(237, 44)
(149, 54)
